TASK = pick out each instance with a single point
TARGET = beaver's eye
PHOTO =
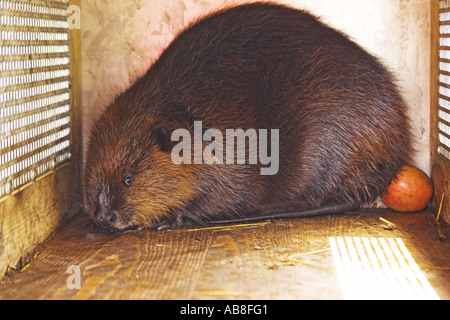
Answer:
(128, 180)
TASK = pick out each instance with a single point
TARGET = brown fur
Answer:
(343, 129)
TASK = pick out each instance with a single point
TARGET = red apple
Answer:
(409, 191)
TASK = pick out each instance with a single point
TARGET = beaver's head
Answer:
(130, 180)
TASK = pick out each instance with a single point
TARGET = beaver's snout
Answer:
(104, 216)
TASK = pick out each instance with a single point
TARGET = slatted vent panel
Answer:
(34, 90)
(444, 79)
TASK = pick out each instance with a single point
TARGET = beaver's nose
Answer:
(103, 214)
(105, 217)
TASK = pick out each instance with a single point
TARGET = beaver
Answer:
(342, 127)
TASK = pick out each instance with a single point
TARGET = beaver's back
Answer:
(343, 129)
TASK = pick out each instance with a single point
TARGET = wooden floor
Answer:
(288, 259)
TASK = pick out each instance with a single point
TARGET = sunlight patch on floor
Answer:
(378, 268)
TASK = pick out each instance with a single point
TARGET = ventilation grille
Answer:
(444, 79)
(34, 90)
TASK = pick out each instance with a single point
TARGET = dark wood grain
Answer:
(289, 259)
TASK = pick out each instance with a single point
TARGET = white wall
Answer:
(121, 38)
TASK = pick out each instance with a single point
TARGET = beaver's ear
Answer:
(161, 136)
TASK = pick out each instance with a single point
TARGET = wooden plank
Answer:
(280, 260)
(161, 265)
(30, 217)
(288, 259)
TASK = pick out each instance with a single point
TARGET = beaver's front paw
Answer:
(170, 223)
